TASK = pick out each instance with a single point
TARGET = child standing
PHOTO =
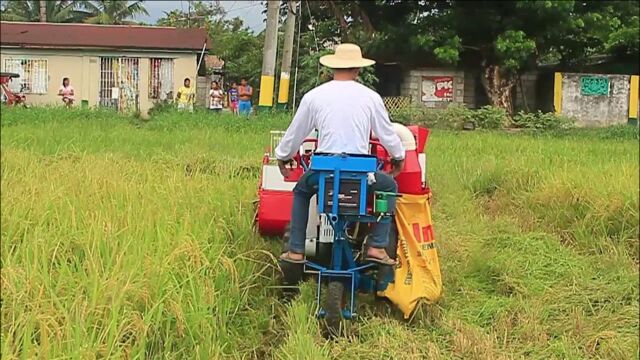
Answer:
(215, 97)
(233, 98)
(185, 96)
(245, 92)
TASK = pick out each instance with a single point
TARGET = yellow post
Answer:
(266, 91)
(634, 89)
(287, 55)
(557, 93)
(283, 92)
(267, 79)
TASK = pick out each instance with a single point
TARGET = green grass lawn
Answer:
(123, 239)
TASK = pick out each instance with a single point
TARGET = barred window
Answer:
(33, 74)
(161, 79)
(119, 80)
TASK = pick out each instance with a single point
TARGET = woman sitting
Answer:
(66, 91)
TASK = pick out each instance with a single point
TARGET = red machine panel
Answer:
(274, 211)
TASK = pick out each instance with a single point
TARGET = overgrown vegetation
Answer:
(108, 12)
(455, 116)
(540, 120)
(517, 36)
(128, 239)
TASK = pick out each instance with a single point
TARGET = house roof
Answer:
(49, 35)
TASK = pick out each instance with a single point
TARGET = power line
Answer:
(243, 8)
(313, 28)
(232, 6)
(315, 40)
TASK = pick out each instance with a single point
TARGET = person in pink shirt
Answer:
(66, 91)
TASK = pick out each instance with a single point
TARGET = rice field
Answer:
(133, 240)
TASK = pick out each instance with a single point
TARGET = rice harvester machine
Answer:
(340, 216)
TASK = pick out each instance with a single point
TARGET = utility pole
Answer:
(267, 80)
(287, 55)
(43, 11)
(189, 14)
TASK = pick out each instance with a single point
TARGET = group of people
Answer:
(237, 98)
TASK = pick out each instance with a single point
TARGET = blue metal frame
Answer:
(341, 167)
(343, 264)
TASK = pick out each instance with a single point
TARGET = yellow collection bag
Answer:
(417, 274)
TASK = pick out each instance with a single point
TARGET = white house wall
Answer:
(82, 66)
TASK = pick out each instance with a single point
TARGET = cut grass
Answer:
(125, 239)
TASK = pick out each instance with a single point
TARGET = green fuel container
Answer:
(381, 204)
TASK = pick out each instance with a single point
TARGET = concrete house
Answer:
(128, 68)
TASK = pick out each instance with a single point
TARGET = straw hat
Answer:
(346, 56)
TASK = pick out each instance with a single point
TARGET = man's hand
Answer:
(282, 165)
(396, 167)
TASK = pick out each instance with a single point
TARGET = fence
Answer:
(395, 104)
(597, 99)
(161, 79)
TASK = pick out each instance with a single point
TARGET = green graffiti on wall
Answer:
(594, 85)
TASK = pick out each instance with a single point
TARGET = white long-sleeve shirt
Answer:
(344, 113)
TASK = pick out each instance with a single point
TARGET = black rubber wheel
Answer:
(333, 309)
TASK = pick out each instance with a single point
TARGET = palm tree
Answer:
(55, 11)
(116, 12)
(43, 11)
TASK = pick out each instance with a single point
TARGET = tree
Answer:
(202, 15)
(115, 12)
(55, 11)
(500, 38)
(43, 11)
(232, 41)
(508, 37)
(320, 33)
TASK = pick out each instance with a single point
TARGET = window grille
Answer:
(33, 73)
(119, 83)
(161, 79)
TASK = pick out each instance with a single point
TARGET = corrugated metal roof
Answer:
(48, 35)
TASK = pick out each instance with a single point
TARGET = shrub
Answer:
(542, 121)
(409, 115)
(451, 117)
(160, 107)
(454, 116)
(490, 117)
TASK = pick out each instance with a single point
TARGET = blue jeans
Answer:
(304, 190)
(244, 107)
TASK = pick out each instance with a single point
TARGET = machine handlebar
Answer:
(302, 160)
